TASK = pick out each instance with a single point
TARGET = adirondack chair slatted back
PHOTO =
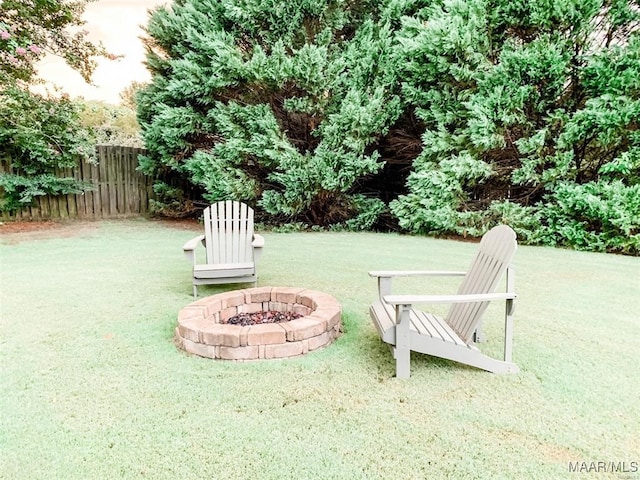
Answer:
(228, 230)
(496, 250)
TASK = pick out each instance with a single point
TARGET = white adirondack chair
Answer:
(452, 337)
(232, 248)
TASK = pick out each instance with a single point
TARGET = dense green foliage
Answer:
(279, 103)
(531, 114)
(40, 135)
(449, 115)
(111, 124)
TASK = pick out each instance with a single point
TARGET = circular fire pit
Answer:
(202, 328)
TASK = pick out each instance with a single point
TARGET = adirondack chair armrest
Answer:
(258, 241)
(470, 298)
(414, 273)
(190, 247)
(385, 276)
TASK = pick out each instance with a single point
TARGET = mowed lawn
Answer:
(93, 387)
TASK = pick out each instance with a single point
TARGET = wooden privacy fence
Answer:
(118, 189)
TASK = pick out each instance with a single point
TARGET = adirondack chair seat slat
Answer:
(406, 329)
(231, 247)
(427, 326)
(224, 270)
(422, 323)
(383, 316)
(430, 322)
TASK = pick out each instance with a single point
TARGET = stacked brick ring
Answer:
(201, 329)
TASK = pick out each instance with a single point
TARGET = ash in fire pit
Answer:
(257, 318)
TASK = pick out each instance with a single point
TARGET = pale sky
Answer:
(117, 24)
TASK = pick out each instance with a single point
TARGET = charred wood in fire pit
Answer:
(271, 316)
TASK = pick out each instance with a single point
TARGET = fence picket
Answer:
(80, 199)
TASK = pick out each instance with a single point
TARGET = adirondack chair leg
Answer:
(508, 316)
(195, 291)
(402, 350)
(508, 331)
(403, 363)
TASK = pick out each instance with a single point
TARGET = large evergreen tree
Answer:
(531, 112)
(276, 103)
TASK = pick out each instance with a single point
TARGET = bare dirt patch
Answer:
(22, 227)
(15, 232)
(182, 223)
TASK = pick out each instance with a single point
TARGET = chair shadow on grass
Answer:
(377, 355)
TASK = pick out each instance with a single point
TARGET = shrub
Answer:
(39, 136)
(602, 216)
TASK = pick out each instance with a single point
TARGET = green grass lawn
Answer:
(92, 386)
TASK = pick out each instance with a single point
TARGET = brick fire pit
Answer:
(201, 330)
